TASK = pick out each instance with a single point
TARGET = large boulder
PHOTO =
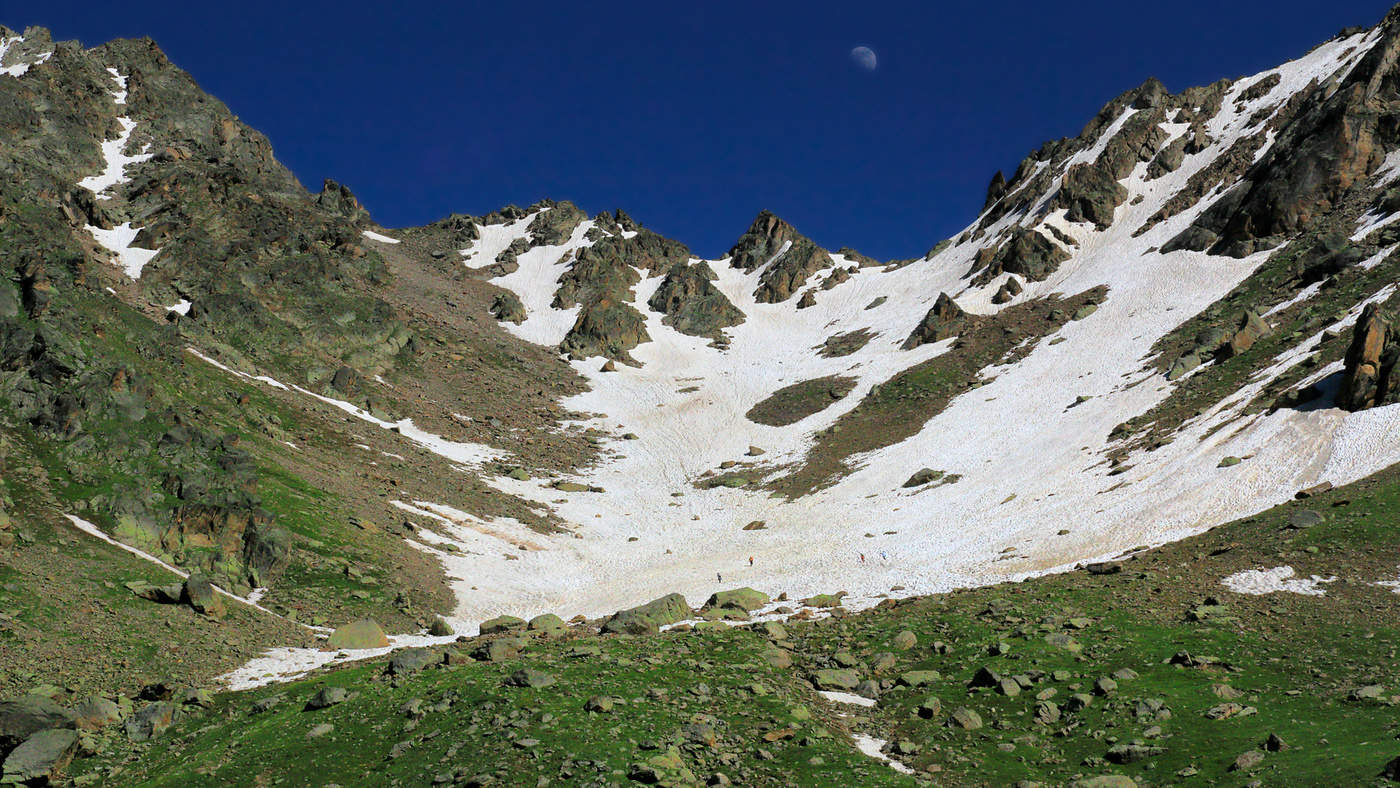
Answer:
(201, 595)
(96, 712)
(41, 758)
(1368, 377)
(151, 721)
(501, 624)
(649, 618)
(745, 599)
(23, 717)
(361, 634)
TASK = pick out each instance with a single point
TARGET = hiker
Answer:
(884, 556)
(750, 560)
(718, 578)
(862, 558)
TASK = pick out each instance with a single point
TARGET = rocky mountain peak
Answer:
(784, 257)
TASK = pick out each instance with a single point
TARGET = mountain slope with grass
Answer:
(1144, 404)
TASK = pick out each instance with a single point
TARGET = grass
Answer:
(1294, 660)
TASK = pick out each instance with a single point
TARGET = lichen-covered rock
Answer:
(605, 328)
(648, 618)
(361, 634)
(745, 599)
(41, 759)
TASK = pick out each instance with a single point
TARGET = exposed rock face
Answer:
(943, 320)
(1028, 253)
(1368, 379)
(1331, 146)
(1090, 193)
(340, 201)
(601, 280)
(554, 226)
(790, 258)
(691, 302)
(605, 328)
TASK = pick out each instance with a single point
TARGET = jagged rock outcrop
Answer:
(786, 257)
(338, 200)
(1335, 137)
(945, 319)
(1028, 253)
(553, 226)
(600, 280)
(605, 327)
(691, 302)
(1368, 377)
(1008, 290)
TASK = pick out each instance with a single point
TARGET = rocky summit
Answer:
(1100, 491)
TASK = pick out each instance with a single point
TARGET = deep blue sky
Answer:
(691, 120)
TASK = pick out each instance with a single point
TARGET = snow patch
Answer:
(846, 698)
(1258, 582)
(18, 70)
(874, 747)
(131, 259)
(373, 236)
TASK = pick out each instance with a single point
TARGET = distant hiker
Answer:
(884, 556)
(862, 558)
(718, 579)
(750, 560)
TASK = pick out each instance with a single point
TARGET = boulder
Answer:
(923, 476)
(1368, 372)
(965, 718)
(547, 623)
(96, 712)
(842, 679)
(502, 624)
(327, 697)
(529, 677)
(650, 617)
(440, 628)
(1251, 329)
(199, 593)
(151, 721)
(40, 760)
(410, 660)
(361, 634)
(745, 599)
(22, 717)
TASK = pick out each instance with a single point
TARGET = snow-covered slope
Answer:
(1036, 491)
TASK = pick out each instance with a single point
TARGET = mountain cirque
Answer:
(1179, 318)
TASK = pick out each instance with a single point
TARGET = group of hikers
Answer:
(719, 578)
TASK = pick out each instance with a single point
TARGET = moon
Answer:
(864, 57)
